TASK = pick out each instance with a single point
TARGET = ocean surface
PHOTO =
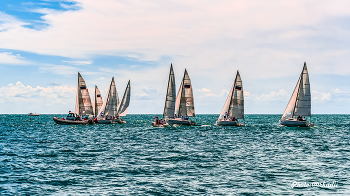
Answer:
(39, 157)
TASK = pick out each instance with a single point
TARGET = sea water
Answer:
(39, 157)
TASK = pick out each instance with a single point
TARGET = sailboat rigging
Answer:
(234, 105)
(299, 104)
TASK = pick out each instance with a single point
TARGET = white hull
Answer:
(228, 123)
(295, 123)
(181, 122)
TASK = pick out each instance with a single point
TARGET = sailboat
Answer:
(170, 99)
(299, 104)
(109, 107)
(83, 106)
(97, 102)
(123, 105)
(184, 104)
(234, 105)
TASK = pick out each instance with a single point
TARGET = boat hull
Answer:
(114, 121)
(228, 123)
(295, 123)
(104, 121)
(181, 122)
(119, 121)
(159, 125)
(70, 122)
(33, 115)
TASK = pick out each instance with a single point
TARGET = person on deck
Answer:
(182, 118)
(186, 118)
(300, 118)
(225, 116)
(234, 119)
(175, 116)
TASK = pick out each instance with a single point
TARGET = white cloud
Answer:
(204, 90)
(9, 58)
(79, 62)
(59, 69)
(262, 35)
(326, 96)
(37, 99)
(210, 95)
(263, 39)
(280, 95)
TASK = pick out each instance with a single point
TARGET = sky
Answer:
(44, 43)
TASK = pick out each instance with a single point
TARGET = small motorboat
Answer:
(72, 119)
(31, 114)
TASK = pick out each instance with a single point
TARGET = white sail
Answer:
(124, 103)
(83, 104)
(169, 107)
(184, 101)
(234, 105)
(300, 101)
(97, 102)
(111, 102)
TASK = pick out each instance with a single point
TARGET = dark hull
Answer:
(228, 123)
(114, 121)
(181, 122)
(70, 122)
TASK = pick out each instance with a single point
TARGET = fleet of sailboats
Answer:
(299, 105)
(106, 112)
(234, 105)
(179, 107)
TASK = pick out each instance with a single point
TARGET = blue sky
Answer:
(44, 43)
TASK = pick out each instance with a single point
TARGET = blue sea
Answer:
(39, 157)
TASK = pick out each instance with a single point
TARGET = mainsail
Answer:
(111, 102)
(300, 102)
(83, 104)
(124, 103)
(234, 105)
(97, 102)
(184, 101)
(169, 107)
